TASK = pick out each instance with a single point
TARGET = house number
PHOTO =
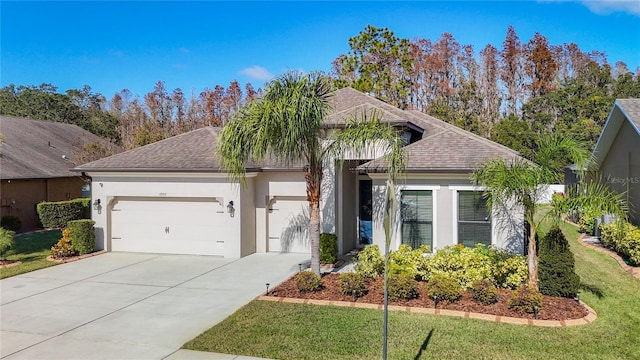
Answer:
(163, 194)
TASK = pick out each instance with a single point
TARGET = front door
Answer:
(365, 212)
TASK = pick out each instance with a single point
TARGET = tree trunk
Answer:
(314, 235)
(313, 177)
(532, 257)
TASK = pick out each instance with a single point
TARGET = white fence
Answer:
(548, 191)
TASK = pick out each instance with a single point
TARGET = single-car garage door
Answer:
(171, 226)
(289, 226)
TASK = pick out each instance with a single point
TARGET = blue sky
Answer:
(113, 45)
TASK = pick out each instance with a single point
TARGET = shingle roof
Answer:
(443, 147)
(631, 108)
(194, 151)
(191, 151)
(445, 151)
(33, 149)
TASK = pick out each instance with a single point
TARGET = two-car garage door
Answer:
(173, 226)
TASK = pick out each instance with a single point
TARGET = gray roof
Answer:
(194, 151)
(33, 149)
(443, 147)
(631, 108)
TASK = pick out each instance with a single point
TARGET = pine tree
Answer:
(556, 266)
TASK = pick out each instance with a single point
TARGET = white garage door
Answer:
(289, 226)
(168, 226)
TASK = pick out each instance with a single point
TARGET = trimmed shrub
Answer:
(442, 287)
(463, 264)
(307, 281)
(328, 248)
(57, 214)
(510, 272)
(623, 238)
(587, 220)
(484, 292)
(556, 266)
(352, 284)
(526, 299)
(408, 261)
(401, 286)
(6, 241)
(11, 222)
(370, 262)
(63, 248)
(466, 265)
(83, 236)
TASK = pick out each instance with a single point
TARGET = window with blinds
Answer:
(416, 213)
(474, 219)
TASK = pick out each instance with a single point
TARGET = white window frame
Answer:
(397, 235)
(455, 190)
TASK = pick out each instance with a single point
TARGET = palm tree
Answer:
(520, 183)
(287, 123)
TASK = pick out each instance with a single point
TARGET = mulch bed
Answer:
(553, 308)
(9, 263)
(74, 258)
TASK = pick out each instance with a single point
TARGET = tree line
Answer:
(126, 119)
(512, 94)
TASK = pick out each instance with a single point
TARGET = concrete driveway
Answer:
(128, 306)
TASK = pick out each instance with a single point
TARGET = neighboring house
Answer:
(617, 153)
(35, 165)
(172, 197)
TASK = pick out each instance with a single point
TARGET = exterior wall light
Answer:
(97, 206)
(230, 209)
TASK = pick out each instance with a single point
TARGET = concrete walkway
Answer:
(129, 306)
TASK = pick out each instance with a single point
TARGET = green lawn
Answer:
(298, 331)
(32, 249)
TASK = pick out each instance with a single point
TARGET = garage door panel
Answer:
(174, 227)
(289, 226)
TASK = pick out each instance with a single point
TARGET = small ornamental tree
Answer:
(557, 266)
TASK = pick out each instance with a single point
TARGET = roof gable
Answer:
(622, 110)
(443, 147)
(34, 149)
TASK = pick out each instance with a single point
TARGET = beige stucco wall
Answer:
(347, 209)
(507, 225)
(248, 217)
(621, 168)
(20, 197)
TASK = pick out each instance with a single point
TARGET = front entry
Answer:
(365, 212)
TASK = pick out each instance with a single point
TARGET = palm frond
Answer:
(284, 123)
(366, 136)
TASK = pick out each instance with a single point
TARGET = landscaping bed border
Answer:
(589, 318)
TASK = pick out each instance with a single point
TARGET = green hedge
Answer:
(623, 238)
(83, 237)
(328, 248)
(57, 214)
